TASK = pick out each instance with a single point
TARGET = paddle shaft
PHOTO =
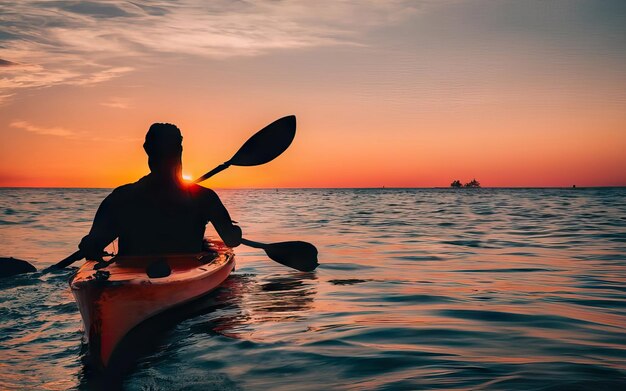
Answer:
(77, 256)
(252, 243)
(214, 171)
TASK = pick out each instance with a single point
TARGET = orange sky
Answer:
(397, 94)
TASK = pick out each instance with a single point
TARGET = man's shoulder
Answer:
(125, 188)
(201, 191)
(128, 189)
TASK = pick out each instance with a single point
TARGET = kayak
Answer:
(119, 297)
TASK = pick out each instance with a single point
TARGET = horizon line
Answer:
(346, 188)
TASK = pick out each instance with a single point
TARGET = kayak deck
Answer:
(114, 300)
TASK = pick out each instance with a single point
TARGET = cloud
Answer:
(5, 97)
(59, 131)
(103, 75)
(89, 8)
(5, 63)
(46, 131)
(46, 43)
(117, 103)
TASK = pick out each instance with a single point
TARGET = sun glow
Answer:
(187, 177)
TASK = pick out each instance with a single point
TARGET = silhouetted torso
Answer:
(152, 216)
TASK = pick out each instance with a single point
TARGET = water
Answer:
(491, 289)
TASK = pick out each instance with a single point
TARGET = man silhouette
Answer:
(159, 214)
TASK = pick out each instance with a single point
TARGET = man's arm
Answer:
(103, 231)
(219, 217)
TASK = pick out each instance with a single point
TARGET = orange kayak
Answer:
(114, 300)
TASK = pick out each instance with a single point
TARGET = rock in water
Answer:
(11, 266)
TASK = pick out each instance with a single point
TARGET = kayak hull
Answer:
(112, 305)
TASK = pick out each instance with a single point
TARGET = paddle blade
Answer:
(11, 267)
(298, 255)
(267, 144)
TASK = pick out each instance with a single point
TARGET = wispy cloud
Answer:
(5, 63)
(46, 43)
(46, 131)
(59, 131)
(5, 97)
(117, 103)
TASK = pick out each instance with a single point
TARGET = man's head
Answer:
(164, 148)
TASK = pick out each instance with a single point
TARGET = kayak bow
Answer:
(114, 300)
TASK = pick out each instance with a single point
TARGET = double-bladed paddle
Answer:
(263, 147)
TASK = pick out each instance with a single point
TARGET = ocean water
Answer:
(487, 289)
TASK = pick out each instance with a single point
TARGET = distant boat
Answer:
(471, 184)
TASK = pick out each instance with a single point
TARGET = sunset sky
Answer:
(386, 93)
